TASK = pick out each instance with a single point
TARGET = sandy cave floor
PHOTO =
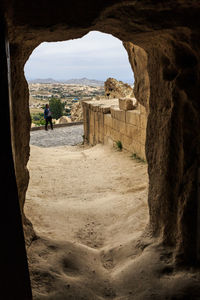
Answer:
(89, 208)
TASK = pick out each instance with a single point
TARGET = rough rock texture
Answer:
(138, 61)
(77, 112)
(127, 103)
(167, 34)
(21, 123)
(15, 282)
(116, 89)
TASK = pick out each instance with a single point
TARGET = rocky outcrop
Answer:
(63, 120)
(117, 89)
(77, 112)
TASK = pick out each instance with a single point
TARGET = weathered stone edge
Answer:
(57, 125)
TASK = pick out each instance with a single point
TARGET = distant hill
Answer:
(40, 80)
(81, 81)
(85, 81)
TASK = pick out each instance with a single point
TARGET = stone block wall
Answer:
(105, 123)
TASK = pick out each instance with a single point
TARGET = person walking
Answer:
(48, 117)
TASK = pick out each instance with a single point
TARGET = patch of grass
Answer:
(38, 119)
(119, 145)
(136, 157)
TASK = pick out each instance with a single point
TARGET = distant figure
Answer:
(48, 117)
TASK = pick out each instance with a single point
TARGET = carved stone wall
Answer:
(168, 32)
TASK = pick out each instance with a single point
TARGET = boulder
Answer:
(117, 89)
(63, 120)
(127, 103)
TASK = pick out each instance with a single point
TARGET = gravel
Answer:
(71, 136)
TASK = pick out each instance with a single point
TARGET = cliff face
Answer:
(166, 58)
(138, 60)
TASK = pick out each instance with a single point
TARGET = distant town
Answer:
(69, 93)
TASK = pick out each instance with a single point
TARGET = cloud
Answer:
(96, 55)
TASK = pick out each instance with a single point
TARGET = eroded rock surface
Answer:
(167, 35)
(117, 89)
(77, 112)
(138, 61)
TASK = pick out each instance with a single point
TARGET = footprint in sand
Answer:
(107, 260)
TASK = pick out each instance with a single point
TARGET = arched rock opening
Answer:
(171, 44)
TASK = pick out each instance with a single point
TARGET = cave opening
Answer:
(81, 196)
(169, 35)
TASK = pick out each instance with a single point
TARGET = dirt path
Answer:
(89, 207)
(70, 135)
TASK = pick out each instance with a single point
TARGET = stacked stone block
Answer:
(104, 121)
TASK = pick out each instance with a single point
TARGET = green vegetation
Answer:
(119, 145)
(56, 107)
(136, 157)
(38, 119)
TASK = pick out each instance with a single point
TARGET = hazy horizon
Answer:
(95, 56)
(129, 81)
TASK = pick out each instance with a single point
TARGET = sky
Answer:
(95, 56)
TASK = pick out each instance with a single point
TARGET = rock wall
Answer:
(168, 34)
(105, 122)
(139, 62)
(15, 282)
